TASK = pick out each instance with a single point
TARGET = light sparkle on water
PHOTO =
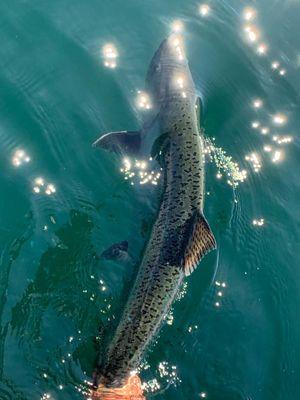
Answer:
(282, 139)
(265, 130)
(226, 164)
(39, 184)
(252, 33)
(262, 49)
(39, 181)
(249, 13)
(46, 396)
(255, 124)
(258, 222)
(257, 103)
(166, 375)
(267, 148)
(255, 161)
(176, 41)
(279, 119)
(110, 55)
(180, 81)
(143, 100)
(277, 156)
(275, 65)
(138, 171)
(50, 189)
(177, 26)
(204, 10)
(20, 157)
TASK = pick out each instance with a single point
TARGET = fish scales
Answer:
(159, 278)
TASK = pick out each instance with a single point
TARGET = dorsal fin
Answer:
(201, 240)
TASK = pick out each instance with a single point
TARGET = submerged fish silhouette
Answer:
(180, 236)
(118, 251)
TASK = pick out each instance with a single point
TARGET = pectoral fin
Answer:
(123, 142)
(200, 241)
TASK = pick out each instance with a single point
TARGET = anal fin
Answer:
(122, 142)
(200, 241)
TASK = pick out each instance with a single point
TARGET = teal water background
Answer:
(56, 97)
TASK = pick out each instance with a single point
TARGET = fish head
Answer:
(169, 75)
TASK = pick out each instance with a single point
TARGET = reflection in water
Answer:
(62, 305)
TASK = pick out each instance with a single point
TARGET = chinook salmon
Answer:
(180, 235)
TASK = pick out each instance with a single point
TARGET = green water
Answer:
(56, 97)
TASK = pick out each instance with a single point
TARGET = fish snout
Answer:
(169, 54)
(171, 50)
(169, 70)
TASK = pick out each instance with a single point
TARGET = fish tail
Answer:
(132, 390)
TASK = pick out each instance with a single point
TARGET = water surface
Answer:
(57, 96)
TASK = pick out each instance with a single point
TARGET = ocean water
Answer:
(235, 332)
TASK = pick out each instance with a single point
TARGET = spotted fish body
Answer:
(180, 235)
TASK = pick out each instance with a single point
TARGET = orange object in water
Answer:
(131, 391)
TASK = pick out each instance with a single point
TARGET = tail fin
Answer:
(132, 390)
